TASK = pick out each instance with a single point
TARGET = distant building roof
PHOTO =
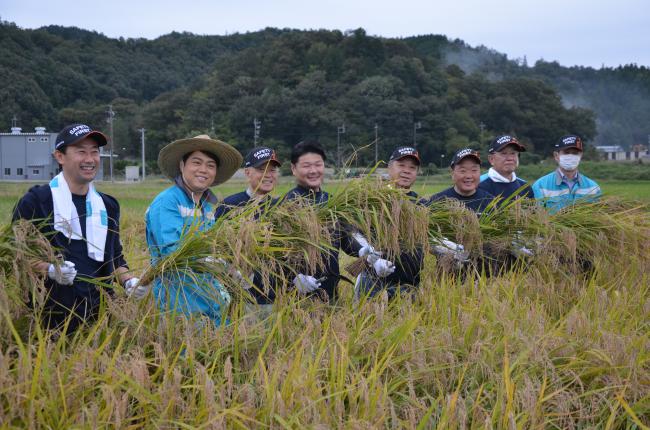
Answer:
(610, 148)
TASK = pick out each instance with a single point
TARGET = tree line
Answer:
(300, 84)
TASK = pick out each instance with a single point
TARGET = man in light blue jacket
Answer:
(195, 165)
(565, 186)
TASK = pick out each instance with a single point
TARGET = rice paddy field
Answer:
(545, 344)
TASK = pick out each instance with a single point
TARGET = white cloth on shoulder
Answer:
(66, 218)
(497, 177)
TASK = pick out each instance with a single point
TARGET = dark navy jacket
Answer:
(340, 240)
(240, 200)
(506, 189)
(476, 202)
(409, 264)
(37, 205)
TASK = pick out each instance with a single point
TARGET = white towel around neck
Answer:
(497, 177)
(66, 218)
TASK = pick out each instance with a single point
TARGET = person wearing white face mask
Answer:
(566, 186)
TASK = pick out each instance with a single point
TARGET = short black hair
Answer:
(209, 154)
(306, 147)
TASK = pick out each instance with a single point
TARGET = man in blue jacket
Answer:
(194, 165)
(83, 224)
(501, 179)
(566, 186)
(308, 168)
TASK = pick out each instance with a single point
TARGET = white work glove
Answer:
(456, 250)
(134, 289)
(63, 274)
(234, 273)
(383, 267)
(519, 248)
(305, 283)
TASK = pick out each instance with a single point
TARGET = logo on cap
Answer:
(467, 152)
(405, 151)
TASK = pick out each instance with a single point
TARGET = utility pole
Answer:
(110, 115)
(257, 126)
(416, 127)
(339, 131)
(14, 122)
(142, 130)
(482, 127)
(376, 145)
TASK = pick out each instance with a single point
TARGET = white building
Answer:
(28, 156)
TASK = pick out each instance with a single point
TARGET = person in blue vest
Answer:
(465, 174)
(403, 168)
(566, 186)
(194, 165)
(501, 179)
(83, 224)
(308, 167)
(262, 170)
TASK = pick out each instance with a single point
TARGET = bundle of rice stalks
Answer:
(272, 243)
(22, 246)
(383, 214)
(602, 230)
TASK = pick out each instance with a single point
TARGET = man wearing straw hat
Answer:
(262, 169)
(308, 168)
(194, 165)
(83, 224)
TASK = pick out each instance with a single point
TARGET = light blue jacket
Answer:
(171, 214)
(554, 192)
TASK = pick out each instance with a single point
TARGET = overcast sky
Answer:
(573, 32)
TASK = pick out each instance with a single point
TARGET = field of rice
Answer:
(542, 345)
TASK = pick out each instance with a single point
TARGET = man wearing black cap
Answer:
(403, 167)
(81, 222)
(466, 173)
(262, 169)
(501, 180)
(565, 186)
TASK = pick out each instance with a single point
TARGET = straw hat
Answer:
(229, 158)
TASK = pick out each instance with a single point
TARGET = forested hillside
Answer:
(305, 84)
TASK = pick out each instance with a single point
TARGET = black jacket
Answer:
(37, 205)
(341, 239)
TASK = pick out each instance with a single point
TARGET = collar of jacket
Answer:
(208, 195)
(560, 177)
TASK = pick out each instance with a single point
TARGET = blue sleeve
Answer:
(164, 225)
(537, 191)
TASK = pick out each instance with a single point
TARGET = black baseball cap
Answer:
(259, 156)
(569, 141)
(464, 153)
(504, 140)
(77, 132)
(405, 151)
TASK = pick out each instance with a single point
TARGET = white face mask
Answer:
(569, 161)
